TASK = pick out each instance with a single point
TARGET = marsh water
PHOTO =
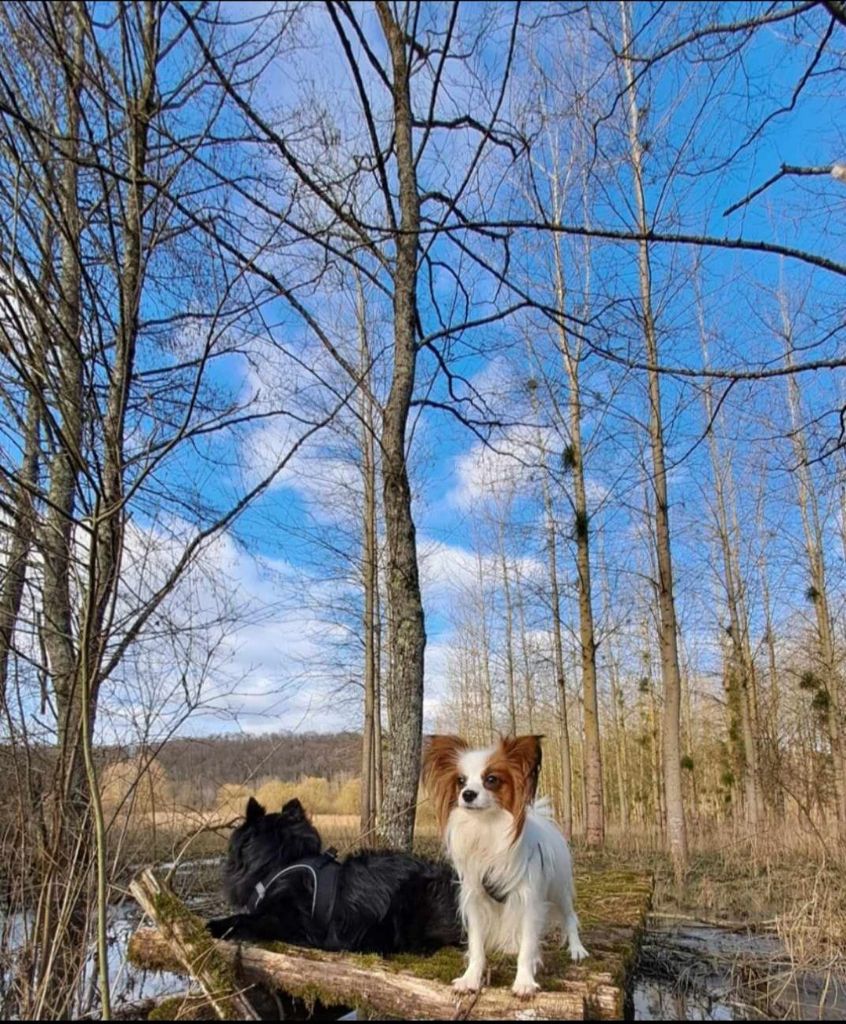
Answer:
(687, 970)
(694, 971)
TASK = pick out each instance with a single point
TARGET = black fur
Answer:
(385, 903)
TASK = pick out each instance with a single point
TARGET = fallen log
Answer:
(190, 946)
(368, 983)
(612, 905)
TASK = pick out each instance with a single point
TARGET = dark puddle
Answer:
(693, 971)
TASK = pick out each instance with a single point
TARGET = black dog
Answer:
(377, 902)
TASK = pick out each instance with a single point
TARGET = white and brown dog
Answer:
(513, 862)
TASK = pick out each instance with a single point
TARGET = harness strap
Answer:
(324, 872)
(261, 889)
(496, 893)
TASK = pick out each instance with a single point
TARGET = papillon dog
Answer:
(512, 861)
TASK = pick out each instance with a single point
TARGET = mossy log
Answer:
(612, 904)
(190, 946)
(370, 984)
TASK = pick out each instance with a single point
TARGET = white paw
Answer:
(578, 951)
(525, 988)
(467, 983)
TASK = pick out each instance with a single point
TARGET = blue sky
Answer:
(287, 665)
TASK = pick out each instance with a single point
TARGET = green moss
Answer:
(444, 965)
(612, 905)
(178, 1008)
(557, 971)
(217, 973)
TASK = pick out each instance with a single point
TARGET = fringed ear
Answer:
(526, 753)
(440, 773)
(523, 756)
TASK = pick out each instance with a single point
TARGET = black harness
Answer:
(324, 872)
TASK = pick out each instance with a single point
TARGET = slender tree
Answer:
(670, 671)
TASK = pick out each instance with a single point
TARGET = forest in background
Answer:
(409, 366)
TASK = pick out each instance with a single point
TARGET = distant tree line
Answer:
(208, 762)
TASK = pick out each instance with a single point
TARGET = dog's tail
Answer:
(543, 808)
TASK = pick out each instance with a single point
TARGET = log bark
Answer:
(184, 941)
(347, 980)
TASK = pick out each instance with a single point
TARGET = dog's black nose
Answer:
(469, 795)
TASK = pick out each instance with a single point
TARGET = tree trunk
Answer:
(620, 757)
(558, 653)
(528, 682)
(487, 686)
(61, 918)
(818, 591)
(380, 991)
(595, 811)
(743, 663)
(21, 537)
(408, 634)
(670, 671)
(370, 581)
(509, 635)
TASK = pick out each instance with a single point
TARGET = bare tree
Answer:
(818, 588)
(100, 194)
(741, 674)
(371, 766)
(671, 674)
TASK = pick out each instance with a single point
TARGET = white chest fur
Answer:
(521, 873)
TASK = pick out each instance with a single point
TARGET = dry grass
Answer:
(733, 878)
(781, 881)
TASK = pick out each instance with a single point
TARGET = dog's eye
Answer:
(461, 780)
(491, 780)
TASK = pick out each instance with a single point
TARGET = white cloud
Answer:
(498, 468)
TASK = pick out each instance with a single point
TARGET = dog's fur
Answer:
(513, 862)
(385, 903)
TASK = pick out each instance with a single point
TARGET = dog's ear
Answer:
(522, 756)
(293, 809)
(440, 770)
(440, 754)
(525, 751)
(254, 812)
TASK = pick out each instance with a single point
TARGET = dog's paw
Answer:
(219, 927)
(466, 983)
(578, 951)
(525, 988)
